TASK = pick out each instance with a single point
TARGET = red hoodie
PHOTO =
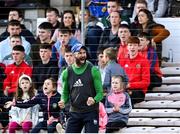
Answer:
(122, 54)
(138, 71)
(13, 73)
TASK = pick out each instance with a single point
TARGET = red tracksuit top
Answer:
(138, 71)
(13, 73)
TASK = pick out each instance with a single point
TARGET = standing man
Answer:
(83, 87)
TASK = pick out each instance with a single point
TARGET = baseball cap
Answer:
(77, 48)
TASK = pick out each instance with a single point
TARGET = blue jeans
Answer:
(88, 120)
(43, 125)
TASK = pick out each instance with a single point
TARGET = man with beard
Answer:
(83, 87)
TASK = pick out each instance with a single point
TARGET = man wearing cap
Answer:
(82, 86)
(15, 70)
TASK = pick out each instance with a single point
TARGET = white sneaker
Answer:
(59, 128)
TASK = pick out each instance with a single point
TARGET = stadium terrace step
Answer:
(154, 122)
(142, 130)
(167, 88)
(138, 121)
(170, 64)
(156, 96)
(166, 113)
(170, 80)
(169, 130)
(171, 71)
(154, 104)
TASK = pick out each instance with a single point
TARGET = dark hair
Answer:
(46, 26)
(141, 2)
(111, 53)
(117, 1)
(18, 48)
(51, 9)
(19, 92)
(18, 11)
(133, 39)
(73, 26)
(149, 15)
(118, 12)
(45, 46)
(14, 23)
(65, 30)
(100, 51)
(54, 82)
(68, 49)
(144, 35)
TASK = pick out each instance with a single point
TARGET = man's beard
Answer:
(79, 63)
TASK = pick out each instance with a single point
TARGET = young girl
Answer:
(48, 101)
(118, 105)
(23, 118)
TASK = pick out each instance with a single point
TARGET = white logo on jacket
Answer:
(78, 83)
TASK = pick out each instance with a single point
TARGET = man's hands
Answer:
(90, 101)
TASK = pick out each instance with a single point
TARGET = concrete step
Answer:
(170, 80)
(158, 104)
(170, 64)
(154, 122)
(142, 130)
(162, 96)
(155, 113)
(167, 88)
(148, 130)
(171, 71)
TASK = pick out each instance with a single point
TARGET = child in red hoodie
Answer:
(137, 68)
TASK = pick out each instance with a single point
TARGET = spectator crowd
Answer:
(90, 87)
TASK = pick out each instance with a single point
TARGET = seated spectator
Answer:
(44, 37)
(157, 31)
(123, 33)
(149, 52)
(114, 5)
(109, 37)
(8, 59)
(101, 64)
(14, 29)
(16, 14)
(52, 15)
(93, 31)
(68, 20)
(137, 69)
(64, 39)
(21, 118)
(48, 101)
(118, 105)
(46, 68)
(69, 59)
(15, 70)
(111, 68)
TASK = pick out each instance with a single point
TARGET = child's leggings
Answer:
(26, 126)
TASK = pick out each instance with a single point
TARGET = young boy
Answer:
(138, 70)
(146, 50)
(111, 68)
(65, 39)
(123, 33)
